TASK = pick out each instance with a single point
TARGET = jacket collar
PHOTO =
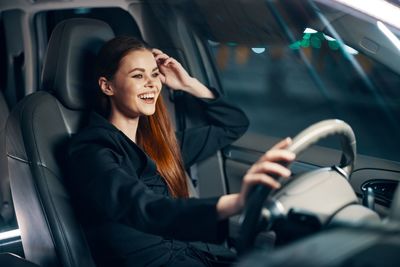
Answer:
(96, 120)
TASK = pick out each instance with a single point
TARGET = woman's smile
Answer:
(148, 97)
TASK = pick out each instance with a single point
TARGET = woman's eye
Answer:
(156, 74)
(137, 76)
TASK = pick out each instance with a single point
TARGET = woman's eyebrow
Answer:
(142, 70)
(135, 69)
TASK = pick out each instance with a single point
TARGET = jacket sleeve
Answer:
(226, 124)
(104, 191)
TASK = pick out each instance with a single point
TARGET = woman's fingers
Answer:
(162, 58)
(168, 61)
(165, 61)
(251, 179)
(159, 56)
(270, 168)
(156, 51)
(279, 152)
(283, 143)
(278, 155)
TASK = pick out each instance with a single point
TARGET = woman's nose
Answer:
(152, 81)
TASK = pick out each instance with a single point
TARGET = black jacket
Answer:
(123, 202)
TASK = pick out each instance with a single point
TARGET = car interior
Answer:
(343, 192)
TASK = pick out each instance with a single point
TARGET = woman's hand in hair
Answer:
(261, 172)
(176, 77)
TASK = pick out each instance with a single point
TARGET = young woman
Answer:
(127, 173)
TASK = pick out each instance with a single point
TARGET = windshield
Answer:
(290, 65)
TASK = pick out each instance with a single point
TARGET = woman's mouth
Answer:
(148, 98)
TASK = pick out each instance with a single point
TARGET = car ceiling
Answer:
(254, 22)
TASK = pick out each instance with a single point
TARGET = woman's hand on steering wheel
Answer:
(269, 165)
(262, 172)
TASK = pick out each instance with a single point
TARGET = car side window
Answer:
(285, 88)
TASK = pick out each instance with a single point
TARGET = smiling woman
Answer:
(131, 88)
(287, 63)
(126, 166)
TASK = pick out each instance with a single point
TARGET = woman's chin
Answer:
(148, 111)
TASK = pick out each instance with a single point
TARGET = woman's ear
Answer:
(105, 86)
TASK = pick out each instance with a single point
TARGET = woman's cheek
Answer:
(159, 85)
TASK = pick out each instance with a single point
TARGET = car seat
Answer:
(37, 131)
(7, 216)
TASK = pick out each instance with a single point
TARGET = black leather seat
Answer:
(37, 131)
(7, 216)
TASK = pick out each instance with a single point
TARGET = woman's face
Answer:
(136, 84)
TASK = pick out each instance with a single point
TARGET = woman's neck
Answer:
(126, 125)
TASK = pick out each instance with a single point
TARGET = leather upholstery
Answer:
(7, 216)
(63, 71)
(37, 132)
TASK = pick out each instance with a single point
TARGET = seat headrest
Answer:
(69, 62)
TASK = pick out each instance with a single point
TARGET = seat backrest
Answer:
(7, 216)
(38, 129)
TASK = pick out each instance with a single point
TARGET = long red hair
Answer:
(155, 134)
(157, 138)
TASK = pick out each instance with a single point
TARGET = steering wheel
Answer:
(250, 221)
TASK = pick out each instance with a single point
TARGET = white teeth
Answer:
(147, 96)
